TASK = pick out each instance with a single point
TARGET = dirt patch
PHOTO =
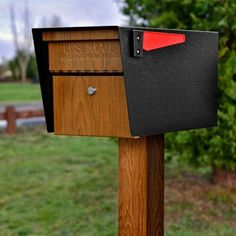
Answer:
(194, 199)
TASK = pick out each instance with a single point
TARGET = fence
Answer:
(11, 115)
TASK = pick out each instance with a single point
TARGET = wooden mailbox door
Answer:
(78, 113)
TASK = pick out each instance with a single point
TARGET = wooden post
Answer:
(141, 186)
(11, 120)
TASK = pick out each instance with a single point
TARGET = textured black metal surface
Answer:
(41, 52)
(172, 88)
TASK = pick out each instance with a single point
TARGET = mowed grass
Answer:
(19, 92)
(57, 185)
(67, 186)
(51, 185)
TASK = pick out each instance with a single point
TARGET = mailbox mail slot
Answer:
(125, 82)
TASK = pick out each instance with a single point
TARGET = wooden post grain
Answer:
(11, 120)
(141, 186)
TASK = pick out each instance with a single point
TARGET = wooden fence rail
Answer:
(11, 115)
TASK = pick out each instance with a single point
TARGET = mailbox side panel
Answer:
(41, 51)
(171, 88)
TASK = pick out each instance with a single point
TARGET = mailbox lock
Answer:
(91, 90)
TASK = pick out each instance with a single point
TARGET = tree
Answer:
(32, 71)
(22, 40)
(14, 67)
(215, 147)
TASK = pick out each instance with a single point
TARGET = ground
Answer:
(54, 185)
(195, 206)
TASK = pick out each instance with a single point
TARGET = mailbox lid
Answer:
(82, 50)
(76, 112)
(85, 56)
(171, 88)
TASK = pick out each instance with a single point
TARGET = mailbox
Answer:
(126, 82)
(129, 82)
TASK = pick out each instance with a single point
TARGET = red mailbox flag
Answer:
(155, 40)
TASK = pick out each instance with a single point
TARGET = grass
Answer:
(63, 186)
(57, 186)
(194, 206)
(18, 92)
(67, 186)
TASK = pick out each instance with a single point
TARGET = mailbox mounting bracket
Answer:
(137, 49)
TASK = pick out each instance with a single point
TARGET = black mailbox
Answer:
(169, 79)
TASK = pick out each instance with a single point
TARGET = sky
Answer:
(71, 13)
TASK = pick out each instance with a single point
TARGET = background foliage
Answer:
(31, 71)
(215, 147)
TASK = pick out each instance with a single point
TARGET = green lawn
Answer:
(61, 186)
(18, 92)
(67, 186)
(57, 185)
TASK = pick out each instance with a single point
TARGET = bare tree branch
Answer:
(13, 27)
(22, 39)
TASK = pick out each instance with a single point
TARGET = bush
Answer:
(31, 73)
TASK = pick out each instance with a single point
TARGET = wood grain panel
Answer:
(141, 186)
(132, 187)
(102, 114)
(91, 34)
(155, 187)
(85, 56)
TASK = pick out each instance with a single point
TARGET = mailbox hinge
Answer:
(137, 49)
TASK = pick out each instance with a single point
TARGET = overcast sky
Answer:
(71, 12)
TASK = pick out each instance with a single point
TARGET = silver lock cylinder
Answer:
(91, 90)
